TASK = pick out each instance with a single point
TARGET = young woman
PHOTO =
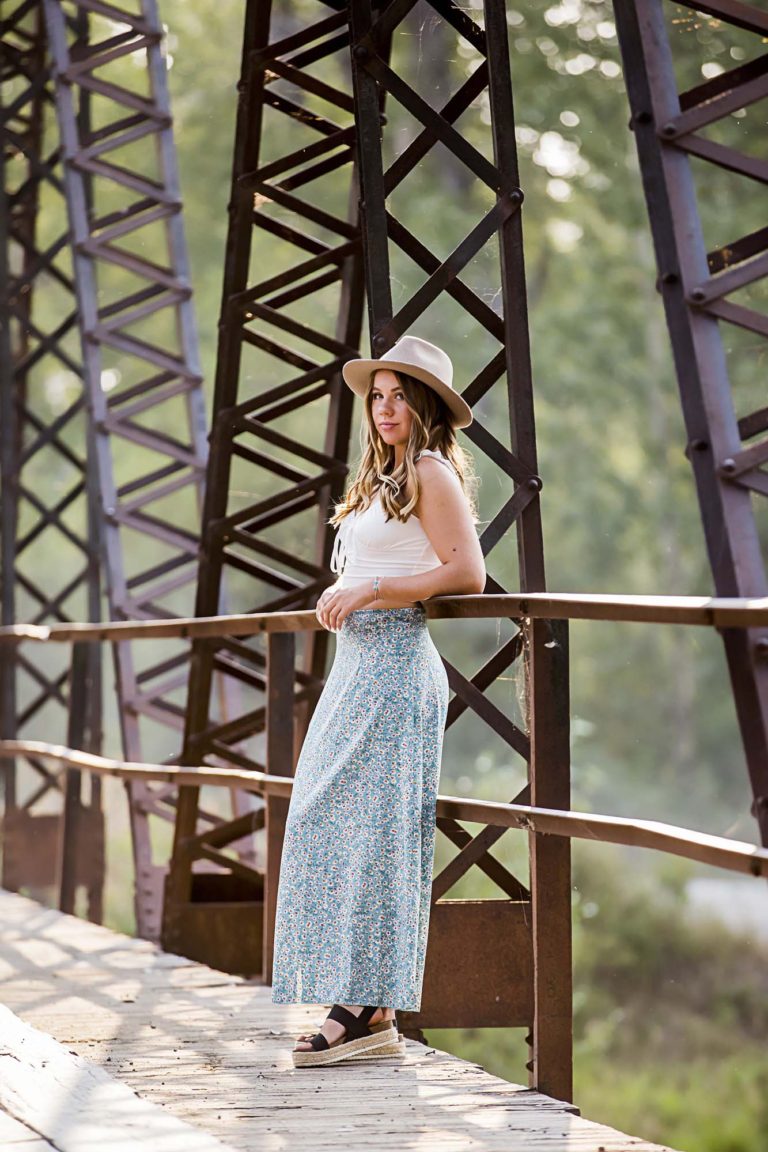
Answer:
(353, 898)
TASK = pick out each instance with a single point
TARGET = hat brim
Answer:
(357, 374)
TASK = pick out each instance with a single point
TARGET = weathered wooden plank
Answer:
(17, 1137)
(77, 1105)
(214, 1051)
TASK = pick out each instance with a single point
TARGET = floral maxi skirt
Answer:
(353, 898)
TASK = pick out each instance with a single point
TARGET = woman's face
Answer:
(389, 408)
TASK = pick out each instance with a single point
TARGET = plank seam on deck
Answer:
(214, 1051)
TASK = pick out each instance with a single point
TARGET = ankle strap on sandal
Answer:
(356, 1026)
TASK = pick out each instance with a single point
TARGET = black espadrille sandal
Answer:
(359, 1037)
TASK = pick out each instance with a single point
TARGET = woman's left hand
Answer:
(335, 604)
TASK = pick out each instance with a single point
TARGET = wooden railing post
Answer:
(281, 658)
(551, 1066)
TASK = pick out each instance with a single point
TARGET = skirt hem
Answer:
(380, 1000)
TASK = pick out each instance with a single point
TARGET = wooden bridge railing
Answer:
(719, 851)
(711, 611)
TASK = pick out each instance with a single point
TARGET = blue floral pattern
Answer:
(353, 899)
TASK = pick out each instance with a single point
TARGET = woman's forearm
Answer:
(449, 579)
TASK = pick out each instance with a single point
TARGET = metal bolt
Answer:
(698, 295)
(668, 130)
(535, 484)
(360, 52)
(728, 466)
(699, 445)
(761, 648)
(670, 278)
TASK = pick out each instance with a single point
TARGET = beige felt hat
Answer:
(419, 359)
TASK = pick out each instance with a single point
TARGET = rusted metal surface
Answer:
(698, 288)
(48, 491)
(140, 362)
(82, 832)
(283, 150)
(551, 1064)
(484, 983)
(283, 338)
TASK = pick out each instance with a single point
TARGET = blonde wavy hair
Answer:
(431, 428)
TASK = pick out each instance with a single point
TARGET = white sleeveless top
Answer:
(368, 545)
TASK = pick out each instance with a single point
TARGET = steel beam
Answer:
(140, 362)
(696, 286)
(283, 336)
(49, 537)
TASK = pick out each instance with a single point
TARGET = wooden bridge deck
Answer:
(202, 1048)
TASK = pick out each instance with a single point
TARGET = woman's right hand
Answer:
(321, 608)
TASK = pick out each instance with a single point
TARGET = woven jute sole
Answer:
(396, 1048)
(349, 1048)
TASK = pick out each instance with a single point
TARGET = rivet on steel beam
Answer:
(668, 130)
(529, 1065)
(360, 52)
(761, 648)
(517, 196)
(698, 295)
(728, 466)
(696, 445)
(535, 484)
(643, 117)
(670, 278)
(383, 120)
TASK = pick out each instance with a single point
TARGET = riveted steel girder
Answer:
(284, 333)
(49, 541)
(138, 405)
(701, 291)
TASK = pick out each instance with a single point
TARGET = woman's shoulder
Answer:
(435, 455)
(439, 490)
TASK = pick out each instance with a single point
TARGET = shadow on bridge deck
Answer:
(214, 1052)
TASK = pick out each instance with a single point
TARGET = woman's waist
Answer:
(406, 622)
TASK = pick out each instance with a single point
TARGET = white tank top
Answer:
(368, 545)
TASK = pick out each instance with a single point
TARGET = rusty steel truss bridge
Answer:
(162, 511)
